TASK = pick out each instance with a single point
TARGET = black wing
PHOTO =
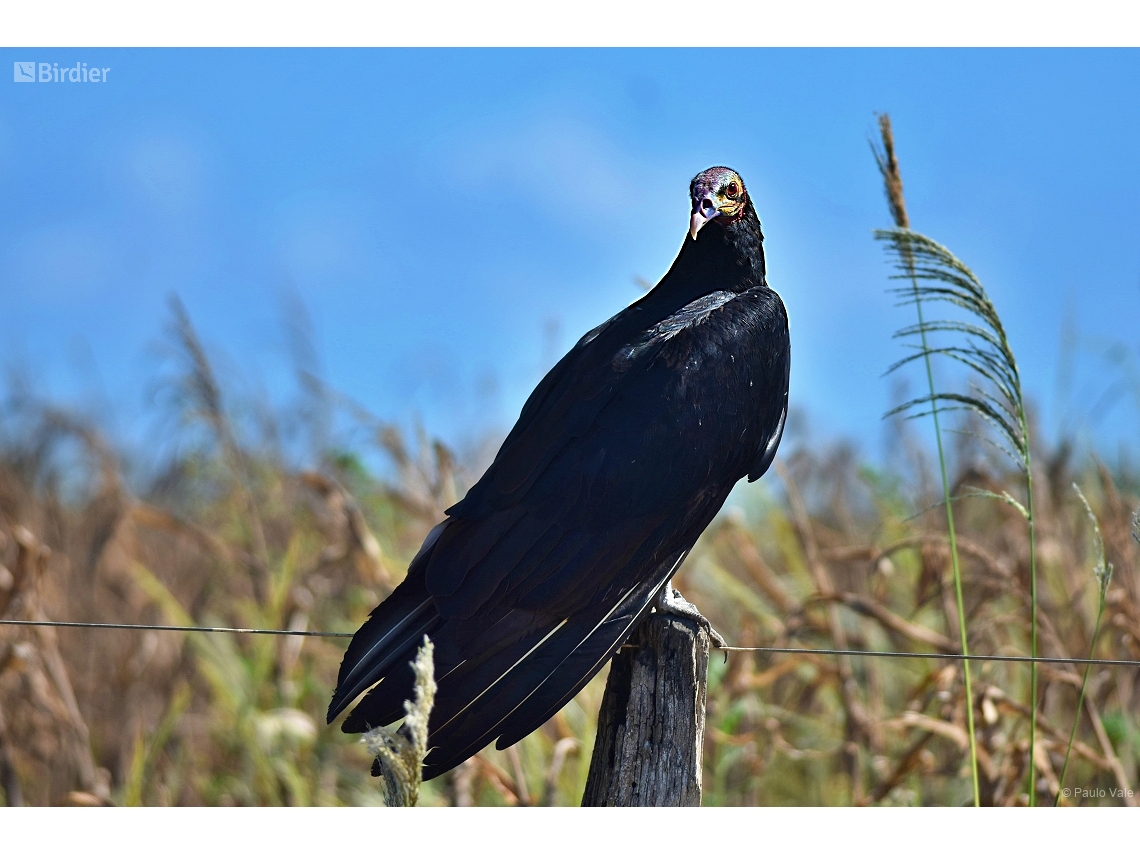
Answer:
(620, 458)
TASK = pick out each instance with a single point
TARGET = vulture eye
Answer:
(733, 189)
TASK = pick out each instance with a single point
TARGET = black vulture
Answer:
(620, 458)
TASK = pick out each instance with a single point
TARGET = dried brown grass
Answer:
(825, 555)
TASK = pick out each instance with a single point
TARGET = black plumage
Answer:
(620, 458)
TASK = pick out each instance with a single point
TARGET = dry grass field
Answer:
(825, 552)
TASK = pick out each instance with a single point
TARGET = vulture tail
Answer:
(388, 639)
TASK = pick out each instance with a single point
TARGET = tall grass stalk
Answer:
(936, 275)
(1103, 573)
(892, 180)
(400, 753)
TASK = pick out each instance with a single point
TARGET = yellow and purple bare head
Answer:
(716, 193)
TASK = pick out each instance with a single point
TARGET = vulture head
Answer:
(716, 194)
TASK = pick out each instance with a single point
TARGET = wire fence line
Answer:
(165, 628)
(889, 654)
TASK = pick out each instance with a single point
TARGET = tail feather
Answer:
(385, 655)
(384, 703)
(460, 733)
(474, 685)
(586, 660)
(544, 678)
(391, 684)
(581, 666)
(390, 634)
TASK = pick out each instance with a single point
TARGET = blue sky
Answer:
(453, 220)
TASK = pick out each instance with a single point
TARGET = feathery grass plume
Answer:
(889, 168)
(892, 182)
(400, 753)
(1103, 573)
(937, 276)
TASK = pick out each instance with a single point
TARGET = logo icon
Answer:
(24, 72)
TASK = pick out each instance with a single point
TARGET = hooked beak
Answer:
(704, 211)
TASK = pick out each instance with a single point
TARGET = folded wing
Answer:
(621, 457)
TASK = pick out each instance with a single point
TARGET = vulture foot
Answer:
(670, 602)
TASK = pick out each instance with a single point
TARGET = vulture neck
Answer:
(722, 258)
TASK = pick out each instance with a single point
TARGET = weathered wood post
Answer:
(651, 727)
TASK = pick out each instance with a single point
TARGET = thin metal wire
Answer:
(893, 654)
(984, 657)
(163, 628)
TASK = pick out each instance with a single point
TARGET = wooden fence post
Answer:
(651, 727)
